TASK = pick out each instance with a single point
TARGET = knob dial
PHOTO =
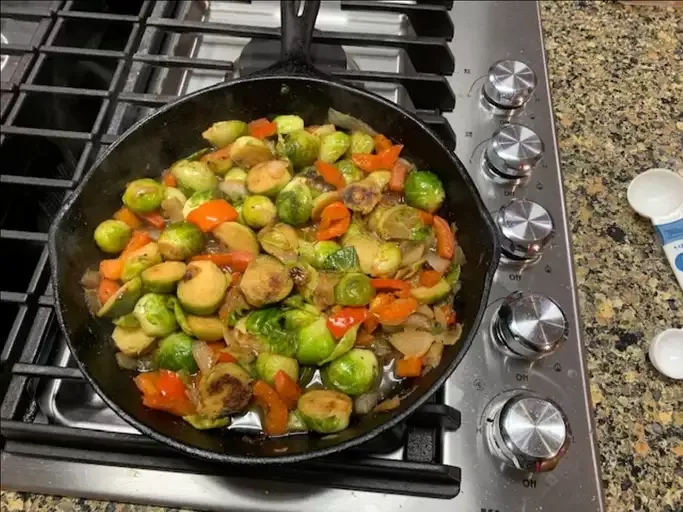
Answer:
(527, 432)
(525, 228)
(529, 325)
(513, 151)
(509, 84)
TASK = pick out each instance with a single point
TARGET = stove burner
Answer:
(5, 58)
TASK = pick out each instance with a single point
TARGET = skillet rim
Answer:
(284, 458)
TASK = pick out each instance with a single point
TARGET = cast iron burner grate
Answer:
(78, 79)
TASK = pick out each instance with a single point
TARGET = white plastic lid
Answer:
(666, 353)
(657, 194)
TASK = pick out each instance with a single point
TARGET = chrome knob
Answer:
(529, 326)
(527, 432)
(509, 84)
(513, 151)
(525, 228)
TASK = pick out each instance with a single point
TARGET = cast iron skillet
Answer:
(174, 131)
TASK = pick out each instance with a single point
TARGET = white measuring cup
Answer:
(658, 195)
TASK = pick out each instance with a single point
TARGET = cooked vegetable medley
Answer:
(292, 273)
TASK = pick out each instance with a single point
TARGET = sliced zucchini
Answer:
(206, 328)
(202, 288)
(432, 294)
(237, 237)
(139, 260)
(123, 301)
(163, 277)
(131, 342)
(268, 178)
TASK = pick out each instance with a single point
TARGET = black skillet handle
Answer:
(297, 32)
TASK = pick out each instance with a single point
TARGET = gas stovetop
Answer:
(512, 428)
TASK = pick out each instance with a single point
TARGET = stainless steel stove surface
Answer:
(523, 439)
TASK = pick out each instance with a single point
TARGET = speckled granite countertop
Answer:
(617, 85)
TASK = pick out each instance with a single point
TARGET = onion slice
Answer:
(437, 262)
(126, 362)
(203, 355)
(412, 343)
(348, 122)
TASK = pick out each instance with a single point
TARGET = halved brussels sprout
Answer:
(175, 353)
(323, 201)
(267, 366)
(203, 423)
(258, 211)
(354, 289)
(234, 190)
(180, 316)
(181, 240)
(295, 319)
(362, 196)
(248, 151)
(425, 295)
(366, 248)
(315, 343)
(350, 172)
(401, 222)
(322, 130)
(222, 133)
(268, 326)
(194, 176)
(268, 178)
(143, 195)
(132, 342)
(223, 390)
(345, 344)
(111, 236)
(127, 321)
(265, 281)
(343, 260)
(205, 328)
(318, 289)
(236, 173)
(354, 373)
(279, 240)
(155, 318)
(218, 161)
(453, 275)
(387, 260)
(197, 199)
(237, 237)
(294, 204)
(139, 260)
(314, 181)
(174, 193)
(361, 143)
(202, 288)
(325, 411)
(295, 422)
(288, 123)
(424, 190)
(333, 146)
(163, 277)
(301, 148)
(381, 178)
(316, 254)
(123, 301)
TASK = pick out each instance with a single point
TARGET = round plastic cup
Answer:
(666, 353)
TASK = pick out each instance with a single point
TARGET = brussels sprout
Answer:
(268, 178)
(236, 173)
(366, 248)
(174, 193)
(248, 151)
(233, 190)
(325, 411)
(267, 324)
(181, 240)
(387, 260)
(280, 241)
(381, 178)
(175, 353)
(402, 222)
(237, 237)
(112, 236)
(222, 133)
(265, 281)
(205, 328)
(362, 196)
(258, 211)
(354, 373)
(425, 295)
(294, 204)
(333, 146)
(314, 181)
(132, 342)
(361, 143)
(297, 318)
(323, 201)
(343, 260)
(155, 318)
(139, 260)
(163, 277)
(424, 190)
(127, 321)
(295, 422)
(123, 301)
(453, 275)
(322, 130)
(180, 317)
(288, 123)
(143, 195)
(194, 177)
(267, 366)
(196, 200)
(301, 148)
(350, 172)
(218, 161)
(224, 389)
(203, 287)
(344, 345)
(202, 423)
(315, 343)
(316, 254)
(318, 287)
(354, 289)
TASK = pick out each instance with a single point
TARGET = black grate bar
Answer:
(46, 132)
(41, 370)
(98, 16)
(26, 236)
(173, 61)
(81, 52)
(426, 53)
(54, 89)
(35, 182)
(16, 297)
(12, 336)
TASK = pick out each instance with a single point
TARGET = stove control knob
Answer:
(509, 84)
(529, 326)
(513, 151)
(525, 228)
(527, 432)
